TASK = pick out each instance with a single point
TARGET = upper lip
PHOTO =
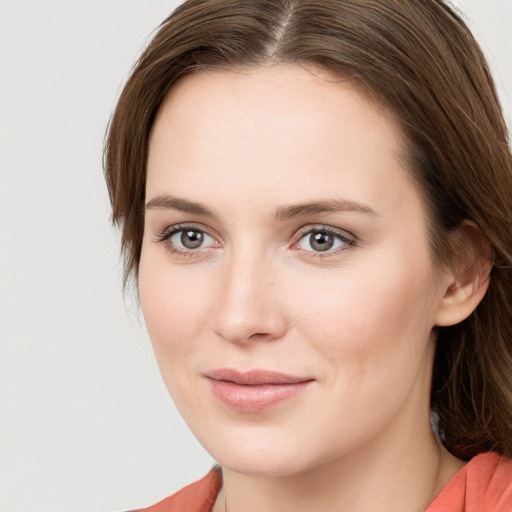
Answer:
(254, 377)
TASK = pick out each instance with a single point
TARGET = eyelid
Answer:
(348, 238)
(309, 228)
(166, 235)
(169, 231)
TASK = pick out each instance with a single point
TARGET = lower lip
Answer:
(254, 398)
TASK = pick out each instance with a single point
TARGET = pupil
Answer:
(192, 239)
(321, 241)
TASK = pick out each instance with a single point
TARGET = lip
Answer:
(255, 390)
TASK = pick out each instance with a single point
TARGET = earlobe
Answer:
(468, 280)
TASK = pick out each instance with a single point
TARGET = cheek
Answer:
(173, 305)
(368, 324)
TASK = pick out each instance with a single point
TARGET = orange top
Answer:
(197, 497)
(484, 484)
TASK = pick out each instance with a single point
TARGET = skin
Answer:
(358, 320)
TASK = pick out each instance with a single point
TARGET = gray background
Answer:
(85, 421)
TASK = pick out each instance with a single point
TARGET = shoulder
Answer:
(197, 497)
(490, 482)
(483, 485)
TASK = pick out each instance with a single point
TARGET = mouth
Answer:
(255, 390)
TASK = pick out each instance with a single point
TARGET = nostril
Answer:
(259, 335)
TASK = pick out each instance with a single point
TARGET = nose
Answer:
(248, 307)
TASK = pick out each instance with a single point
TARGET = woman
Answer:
(316, 202)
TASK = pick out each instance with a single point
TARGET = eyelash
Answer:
(170, 231)
(347, 239)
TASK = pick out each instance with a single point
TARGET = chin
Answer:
(264, 464)
(260, 453)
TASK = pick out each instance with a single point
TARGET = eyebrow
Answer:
(167, 202)
(315, 207)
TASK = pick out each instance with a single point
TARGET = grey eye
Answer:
(322, 240)
(190, 239)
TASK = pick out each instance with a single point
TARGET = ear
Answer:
(467, 279)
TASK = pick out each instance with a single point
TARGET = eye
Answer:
(324, 240)
(186, 239)
(190, 239)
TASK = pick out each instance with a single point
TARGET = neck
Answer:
(384, 477)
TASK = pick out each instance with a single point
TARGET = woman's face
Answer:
(285, 278)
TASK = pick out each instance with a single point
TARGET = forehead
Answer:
(273, 97)
(283, 127)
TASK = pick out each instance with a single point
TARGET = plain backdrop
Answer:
(85, 421)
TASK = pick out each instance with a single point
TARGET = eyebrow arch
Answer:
(314, 207)
(166, 202)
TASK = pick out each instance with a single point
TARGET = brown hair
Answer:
(418, 58)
